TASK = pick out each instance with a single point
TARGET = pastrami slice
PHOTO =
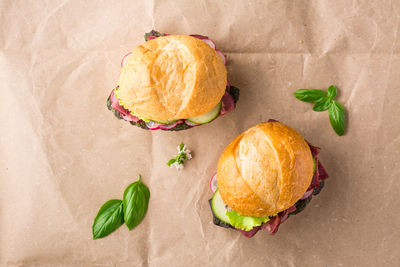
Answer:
(272, 225)
(228, 104)
(250, 233)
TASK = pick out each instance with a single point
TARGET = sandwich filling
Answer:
(226, 105)
(249, 226)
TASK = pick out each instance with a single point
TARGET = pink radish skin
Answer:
(170, 126)
(191, 123)
(221, 55)
(153, 126)
(213, 183)
(198, 36)
(153, 129)
(124, 58)
(307, 194)
(210, 43)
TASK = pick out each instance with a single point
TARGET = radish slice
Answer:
(213, 183)
(221, 55)
(127, 118)
(124, 58)
(151, 37)
(283, 219)
(307, 194)
(191, 123)
(198, 36)
(170, 126)
(153, 125)
(210, 43)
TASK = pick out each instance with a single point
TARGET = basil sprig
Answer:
(179, 160)
(115, 212)
(325, 100)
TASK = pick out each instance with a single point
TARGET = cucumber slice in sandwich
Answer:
(209, 116)
(219, 207)
(164, 122)
(233, 218)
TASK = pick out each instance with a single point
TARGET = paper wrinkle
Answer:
(388, 71)
(39, 137)
(41, 27)
(63, 153)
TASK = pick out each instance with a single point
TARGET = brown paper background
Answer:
(63, 154)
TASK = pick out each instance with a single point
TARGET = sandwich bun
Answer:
(265, 170)
(172, 77)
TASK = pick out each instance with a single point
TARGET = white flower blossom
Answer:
(177, 165)
(186, 151)
(179, 160)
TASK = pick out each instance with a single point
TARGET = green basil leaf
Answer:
(323, 104)
(310, 95)
(136, 200)
(108, 219)
(332, 92)
(337, 117)
(171, 161)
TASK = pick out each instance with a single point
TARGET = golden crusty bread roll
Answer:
(265, 170)
(172, 77)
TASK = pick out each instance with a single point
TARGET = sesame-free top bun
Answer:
(265, 170)
(172, 77)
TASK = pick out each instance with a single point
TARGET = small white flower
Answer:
(183, 154)
(177, 166)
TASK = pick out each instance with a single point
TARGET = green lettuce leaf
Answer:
(245, 222)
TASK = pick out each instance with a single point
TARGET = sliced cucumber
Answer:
(233, 218)
(209, 116)
(164, 122)
(219, 207)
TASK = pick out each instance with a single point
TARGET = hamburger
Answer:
(173, 82)
(265, 175)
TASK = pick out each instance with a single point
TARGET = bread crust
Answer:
(265, 170)
(172, 77)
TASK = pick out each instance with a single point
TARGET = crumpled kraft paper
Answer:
(63, 154)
